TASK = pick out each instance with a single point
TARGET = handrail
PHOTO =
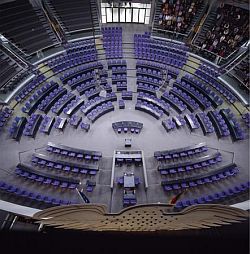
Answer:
(234, 60)
(14, 45)
(172, 32)
(18, 57)
(203, 19)
(52, 24)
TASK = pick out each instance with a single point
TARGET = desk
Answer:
(49, 125)
(231, 125)
(128, 142)
(64, 104)
(177, 121)
(128, 156)
(53, 100)
(215, 123)
(190, 122)
(62, 124)
(203, 125)
(35, 126)
(74, 108)
(129, 181)
(130, 125)
(75, 121)
(19, 129)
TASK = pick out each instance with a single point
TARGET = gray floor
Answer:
(101, 137)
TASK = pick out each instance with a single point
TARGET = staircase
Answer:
(155, 32)
(207, 25)
(95, 17)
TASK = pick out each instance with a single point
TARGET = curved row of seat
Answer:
(46, 124)
(164, 106)
(104, 108)
(75, 120)
(192, 121)
(195, 163)
(97, 101)
(144, 87)
(34, 83)
(33, 102)
(198, 180)
(203, 102)
(44, 178)
(145, 49)
(47, 103)
(215, 197)
(150, 80)
(149, 108)
(174, 102)
(78, 72)
(147, 71)
(32, 125)
(168, 124)
(218, 86)
(76, 61)
(62, 103)
(215, 99)
(64, 166)
(180, 152)
(233, 125)
(125, 126)
(23, 192)
(76, 45)
(205, 123)
(81, 79)
(5, 114)
(72, 152)
(185, 98)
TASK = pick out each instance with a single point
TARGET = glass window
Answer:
(137, 5)
(137, 12)
(135, 15)
(141, 15)
(105, 5)
(115, 15)
(109, 14)
(103, 19)
(122, 15)
(147, 12)
(147, 20)
(103, 11)
(128, 14)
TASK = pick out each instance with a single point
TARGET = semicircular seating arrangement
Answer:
(107, 115)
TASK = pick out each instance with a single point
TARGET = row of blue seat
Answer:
(215, 197)
(21, 192)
